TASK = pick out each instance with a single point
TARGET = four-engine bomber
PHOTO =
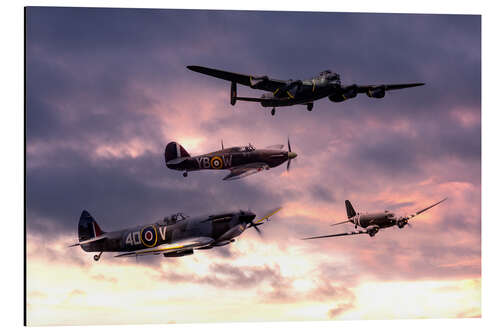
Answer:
(295, 92)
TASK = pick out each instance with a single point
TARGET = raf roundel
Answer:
(216, 162)
(149, 236)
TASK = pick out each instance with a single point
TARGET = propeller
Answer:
(291, 156)
(252, 224)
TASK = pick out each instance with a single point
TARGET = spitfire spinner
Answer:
(371, 223)
(293, 92)
(241, 161)
(173, 236)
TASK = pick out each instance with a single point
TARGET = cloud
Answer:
(107, 89)
(340, 309)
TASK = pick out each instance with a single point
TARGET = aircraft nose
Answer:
(292, 155)
(247, 217)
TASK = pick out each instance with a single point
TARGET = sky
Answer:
(107, 89)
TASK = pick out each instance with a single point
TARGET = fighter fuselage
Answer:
(220, 227)
(229, 158)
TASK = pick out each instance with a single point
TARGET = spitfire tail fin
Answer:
(350, 210)
(88, 227)
(174, 150)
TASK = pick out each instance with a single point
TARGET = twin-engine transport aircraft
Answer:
(293, 92)
(173, 236)
(241, 161)
(371, 223)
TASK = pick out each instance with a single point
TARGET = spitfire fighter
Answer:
(173, 236)
(241, 161)
(303, 92)
(371, 223)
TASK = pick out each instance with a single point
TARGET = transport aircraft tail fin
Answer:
(350, 210)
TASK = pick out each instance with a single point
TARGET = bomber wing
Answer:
(387, 87)
(188, 244)
(350, 233)
(252, 81)
(245, 170)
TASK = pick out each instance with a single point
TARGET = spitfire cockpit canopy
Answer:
(174, 218)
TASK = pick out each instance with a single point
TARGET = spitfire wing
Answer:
(188, 244)
(387, 87)
(245, 170)
(424, 209)
(267, 216)
(338, 235)
(262, 82)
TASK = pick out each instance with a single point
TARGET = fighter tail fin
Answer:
(88, 227)
(174, 150)
(350, 210)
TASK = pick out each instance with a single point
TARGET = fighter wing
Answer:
(267, 216)
(387, 87)
(188, 244)
(337, 235)
(256, 82)
(423, 210)
(245, 170)
(95, 239)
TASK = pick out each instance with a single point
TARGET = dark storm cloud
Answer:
(93, 73)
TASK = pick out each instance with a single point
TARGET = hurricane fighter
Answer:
(241, 161)
(176, 235)
(371, 223)
(293, 92)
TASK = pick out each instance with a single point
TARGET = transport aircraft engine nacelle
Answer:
(372, 230)
(402, 223)
(348, 93)
(179, 254)
(377, 92)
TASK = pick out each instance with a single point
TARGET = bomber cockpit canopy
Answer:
(329, 75)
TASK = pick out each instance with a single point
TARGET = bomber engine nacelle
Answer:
(179, 253)
(377, 92)
(345, 94)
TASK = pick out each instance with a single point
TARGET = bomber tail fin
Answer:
(350, 210)
(174, 151)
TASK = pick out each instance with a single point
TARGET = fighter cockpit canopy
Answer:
(174, 218)
(248, 148)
